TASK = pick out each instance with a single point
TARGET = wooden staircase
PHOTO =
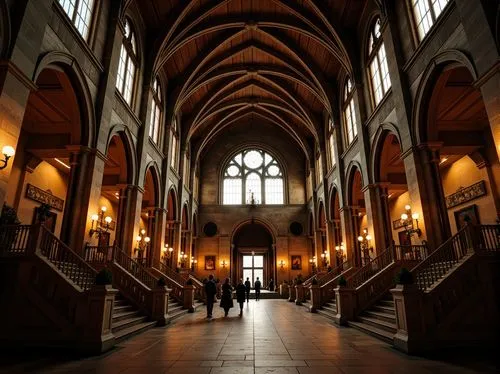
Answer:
(378, 320)
(128, 320)
(329, 309)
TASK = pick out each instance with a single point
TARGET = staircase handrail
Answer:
(97, 254)
(135, 268)
(489, 238)
(370, 269)
(443, 258)
(60, 255)
(335, 272)
(14, 239)
(172, 274)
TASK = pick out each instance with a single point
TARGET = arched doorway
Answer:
(337, 239)
(464, 163)
(253, 253)
(170, 241)
(358, 218)
(49, 164)
(394, 196)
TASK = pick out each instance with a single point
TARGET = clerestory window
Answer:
(426, 12)
(377, 62)
(350, 123)
(154, 119)
(253, 177)
(80, 13)
(128, 64)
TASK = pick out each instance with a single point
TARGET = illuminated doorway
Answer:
(253, 268)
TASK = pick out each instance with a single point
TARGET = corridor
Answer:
(273, 336)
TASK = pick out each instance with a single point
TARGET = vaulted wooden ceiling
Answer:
(276, 60)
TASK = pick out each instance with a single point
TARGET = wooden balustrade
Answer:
(14, 239)
(66, 260)
(411, 252)
(489, 237)
(172, 274)
(135, 268)
(334, 273)
(199, 292)
(373, 267)
(98, 255)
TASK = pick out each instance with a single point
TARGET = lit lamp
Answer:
(142, 242)
(282, 265)
(167, 251)
(194, 263)
(8, 152)
(408, 222)
(340, 249)
(324, 258)
(183, 258)
(101, 223)
(312, 261)
(364, 242)
(223, 264)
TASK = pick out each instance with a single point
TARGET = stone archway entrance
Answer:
(253, 254)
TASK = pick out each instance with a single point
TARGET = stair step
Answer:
(386, 336)
(133, 330)
(176, 314)
(174, 308)
(126, 323)
(384, 309)
(387, 317)
(122, 308)
(327, 313)
(123, 315)
(389, 303)
(330, 308)
(383, 325)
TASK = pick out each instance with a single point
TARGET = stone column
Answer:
(159, 308)
(375, 218)
(348, 234)
(129, 215)
(158, 235)
(76, 208)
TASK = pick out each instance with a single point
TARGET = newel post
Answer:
(188, 297)
(35, 238)
(408, 304)
(315, 298)
(284, 290)
(346, 305)
(97, 335)
(159, 307)
(291, 293)
(299, 294)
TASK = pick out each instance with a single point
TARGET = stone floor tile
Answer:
(275, 370)
(238, 364)
(232, 370)
(279, 363)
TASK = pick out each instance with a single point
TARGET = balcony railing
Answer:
(14, 239)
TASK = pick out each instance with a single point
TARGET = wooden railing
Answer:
(172, 274)
(489, 237)
(176, 288)
(98, 255)
(66, 260)
(333, 273)
(373, 267)
(411, 252)
(135, 269)
(199, 293)
(14, 239)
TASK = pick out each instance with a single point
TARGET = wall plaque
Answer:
(37, 194)
(465, 194)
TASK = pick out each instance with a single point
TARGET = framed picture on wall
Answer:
(469, 213)
(296, 262)
(209, 262)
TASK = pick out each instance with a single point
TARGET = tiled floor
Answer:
(273, 336)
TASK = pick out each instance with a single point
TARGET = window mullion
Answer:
(382, 83)
(431, 10)
(75, 12)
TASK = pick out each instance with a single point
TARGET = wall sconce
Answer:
(101, 223)
(324, 258)
(282, 264)
(194, 263)
(340, 249)
(312, 261)
(142, 242)
(183, 258)
(408, 223)
(167, 251)
(8, 152)
(223, 264)
(364, 241)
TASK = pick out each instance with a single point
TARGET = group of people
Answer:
(226, 302)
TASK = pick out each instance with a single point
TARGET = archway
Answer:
(464, 159)
(170, 226)
(337, 240)
(194, 242)
(253, 253)
(394, 196)
(184, 256)
(49, 165)
(149, 216)
(358, 218)
(323, 245)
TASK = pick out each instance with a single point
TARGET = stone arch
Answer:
(126, 137)
(172, 204)
(152, 167)
(261, 221)
(69, 64)
(426, 86)
(377, 146)
(353, 167)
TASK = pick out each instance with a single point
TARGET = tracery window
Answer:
(80, 13)
(426, 12)
(174, 143)
(350, 121)
(253, 177)
(377, 62)
(331, 142)
(128, 64)
(154, 119)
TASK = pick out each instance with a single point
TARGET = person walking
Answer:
(240, 295)
(210, 291)
(257, 286)
(226, 300)
(247, 288)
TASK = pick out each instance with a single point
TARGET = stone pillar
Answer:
(375, 218)
(291, 293)
(158, 235)
(188, 297)
(129, 215)
(97, 336)
(159, 308)
(76, 208)
(299, 294)
(346, 305)
(408, 303)
(315, 298)
(345, 217)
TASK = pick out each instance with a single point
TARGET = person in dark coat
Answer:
(210, 291)
(247, 288)
(271, 285)
(240, 295)
(226, 300)
(257, 287)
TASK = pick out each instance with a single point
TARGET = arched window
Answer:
(80, 13)
(174, 136)
(154, 119)
(253, 177)
(377, 61)
(128, 64)
(331, 142)
(426, 12)
(350, 122)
